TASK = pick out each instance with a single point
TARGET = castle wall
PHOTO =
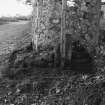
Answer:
(82, 23)
(48, 26)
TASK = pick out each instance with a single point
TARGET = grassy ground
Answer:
(10, 35)
(32, 79)
(13, 36)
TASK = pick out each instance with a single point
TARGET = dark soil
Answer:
(32, 79)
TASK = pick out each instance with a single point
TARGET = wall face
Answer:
(81, 21)
(49, 22)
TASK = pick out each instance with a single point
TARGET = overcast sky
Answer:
(12, 7)
(103, 0)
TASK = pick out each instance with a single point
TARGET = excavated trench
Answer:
(81, 61)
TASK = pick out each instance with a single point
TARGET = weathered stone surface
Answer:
(49, 21)
(81, 20)
(82, 23)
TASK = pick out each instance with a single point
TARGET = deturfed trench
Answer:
(81, 61)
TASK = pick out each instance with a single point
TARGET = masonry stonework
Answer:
(81, 23)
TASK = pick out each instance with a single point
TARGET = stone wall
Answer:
(49, 22)
(82, 23)
(84, 20)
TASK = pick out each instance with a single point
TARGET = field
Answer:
(33, 80)
(11, 35)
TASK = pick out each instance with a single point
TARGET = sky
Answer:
(103, 0)
(13, 8)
